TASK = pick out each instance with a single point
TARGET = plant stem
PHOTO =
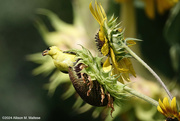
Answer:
(150, 70)
(141, 96)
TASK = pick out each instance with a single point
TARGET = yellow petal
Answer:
(173, 106)
(98, 13)
(160, 8)
(160, 110)
(119, 66)
(101, 34)
(117, 72)
(175, 1)
(168, 4)
(178, 116)
(105, 48)
(126, 76)
(107, 66)
(104, 17)
(149, 8)
(129, 66)
(131, 42)
(94, 13)
(162, 106)
(166, 104)
(113, 58)
(107, 62)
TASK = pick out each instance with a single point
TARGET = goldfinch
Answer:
(62, 60)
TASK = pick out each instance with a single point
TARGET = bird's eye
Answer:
(48, 48)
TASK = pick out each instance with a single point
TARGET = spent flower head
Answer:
(101, 84)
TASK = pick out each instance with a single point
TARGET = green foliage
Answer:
(172, 36)
(172, 27)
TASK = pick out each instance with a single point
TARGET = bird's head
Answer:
(53, 50)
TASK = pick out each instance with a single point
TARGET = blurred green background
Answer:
(22, 94)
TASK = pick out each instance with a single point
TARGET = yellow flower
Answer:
(100, 16)
(123, 67)
(111, 47)
(160, 5)
(169, 109)
(151, 5)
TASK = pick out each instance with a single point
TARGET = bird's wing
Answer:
(70, 52)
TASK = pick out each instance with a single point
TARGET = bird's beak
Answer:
(45, 52)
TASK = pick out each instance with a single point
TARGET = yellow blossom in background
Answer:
(169, 110)
(152, 5)
(161, 5)
(121, 65)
